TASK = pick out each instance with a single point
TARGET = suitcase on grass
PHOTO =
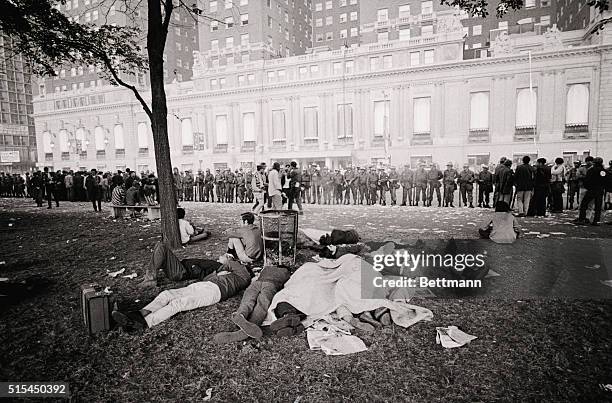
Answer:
(97, 306)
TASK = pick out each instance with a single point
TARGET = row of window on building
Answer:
(577, 116)
(329, 4)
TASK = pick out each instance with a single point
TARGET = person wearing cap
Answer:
(294, 193)
(362, 186)
(220, 185)
(209, 186)
(229, 179)
(306, 185)
(240, 186)
(338, 179)
(316, 182)
(328, 185)
(433, 179)
(350, 177)
(373, 185)
(573, 185)
(466, 185)
(188, 186)
(407, 181)
(449, 178)
(383, 185)
(595, 185)
(199, 186)
(248, 184)
(393, 185)
(485, 186)
(420, 182)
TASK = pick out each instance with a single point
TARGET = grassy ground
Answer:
(542, 348)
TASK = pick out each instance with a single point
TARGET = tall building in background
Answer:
(17, 133)
(240, 31)
(574, 14)
(335, 23)
(182, 40)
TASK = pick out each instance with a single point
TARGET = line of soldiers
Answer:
(228, 186)
(13, 185)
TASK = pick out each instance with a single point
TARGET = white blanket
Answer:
(318, 289)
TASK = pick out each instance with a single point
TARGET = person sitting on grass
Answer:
(246, 243)
(254, 305)
(189, 233)
(132, 196)
(218, 281)
(502, 227)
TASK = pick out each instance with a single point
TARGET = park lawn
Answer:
(536, 349)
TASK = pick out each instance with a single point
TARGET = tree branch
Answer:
(167, 14)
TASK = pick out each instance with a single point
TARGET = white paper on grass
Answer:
(116, 273)
(334, 343)
(452, 337)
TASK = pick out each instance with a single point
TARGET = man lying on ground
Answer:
(254, 306)
(189, 233)
(226, 278)
(245, 243)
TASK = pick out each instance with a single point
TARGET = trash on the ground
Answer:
(334, 343)
(3, 262)
(532, 233)
(10, 225)
(3, 279)
(595, 266)
(558, 233)
(136, 300)
(543, 236)
(607, 282)
(112, 258)
(107, 290)
(451, 337)
(208, 395)
(131, 276)
(607, 388)
(116, 273)
(492, 273)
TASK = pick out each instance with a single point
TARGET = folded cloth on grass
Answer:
(334, 343)
(319, 288)
(451, 337)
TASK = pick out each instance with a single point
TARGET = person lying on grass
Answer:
(502, 226)
(189, 233)
(245, 243)
(254, 305)
(219, 281)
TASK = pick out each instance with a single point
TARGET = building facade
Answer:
(240, 31)
(335, 23)
(574, 14)
(17, 133)
(403, 102)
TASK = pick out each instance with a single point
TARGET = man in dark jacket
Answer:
(306, 184)
(295, 184)
(433, 179)
(218, 281)
(420, 182)
(524, 180)
(506, 181)
(485, 186)
(94, 191)
(541, 189)
(466, 185)
(594, 183)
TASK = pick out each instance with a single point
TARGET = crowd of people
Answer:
(529, 189)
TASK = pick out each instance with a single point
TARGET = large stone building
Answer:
(548, 95)
(17, 134)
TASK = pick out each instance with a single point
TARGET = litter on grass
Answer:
(451, 337)
(131, 276)
(607, 282)
(116, 273)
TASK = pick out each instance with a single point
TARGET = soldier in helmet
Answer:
(393, 185)
(306, 185)
(230, 183)
(240, 186)
(372, 181)
(433, 179)
(420, 182)
(316, 181)
(485, 186)
(338, 186)
(362, 183)
(220, 185)
(407, 181)
(328, 185)
(466, 185)
(188, 186)
(448, 179)
(573, 184)
(209, 184)
(248, 179)
(383, 185)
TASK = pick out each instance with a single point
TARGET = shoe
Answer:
(290, 331)
(290, 320)
(403, 204)
(595, 224)
(452, 205)
(366, 327)
(129, 320)
(230, 337)
(578, 221)
(471, 205)
(368, 318)
(251, 329)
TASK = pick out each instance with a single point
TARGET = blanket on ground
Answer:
(318, 289)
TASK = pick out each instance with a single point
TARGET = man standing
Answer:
(557, 188)
(209, 185)
(49, 182)
(350, 176)
(407, 181)
(420, 182)
(449, 177)
(248, 184)
(506, 181)
(188, 185)
(94, 193)
(496, 181)
(594, 183)
(541, 188)
(383, 185)
(230, 183)
(393, 185)
(372, 183)
(178, 184)
(433, 179)
(295, 184)
(608, 187)
(240, 186)
(199, 182)
(275, 187)
(306, 184)
(220, 185)
(69, 183)
(338, 186)
(258, 184)
(362, 182)
(485, 186)
(328, 185)
(573, 184)
(524, 180)
(316, 181)
(466, 185)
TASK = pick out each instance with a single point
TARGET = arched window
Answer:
(479, 111)
(143, 135)
(577, 113)
(63, 141)
(118, 136)
(99, 138)
(186, 132)
(47, 148)
(526, 108)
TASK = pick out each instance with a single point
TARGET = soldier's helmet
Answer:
(577, 163)
(466, 165)
(450, 164)
(483, 166)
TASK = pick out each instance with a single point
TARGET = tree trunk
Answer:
(156, 39)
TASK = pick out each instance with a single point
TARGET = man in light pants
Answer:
(229, 278)
(275, 187)
(524, 180)
(258, 184)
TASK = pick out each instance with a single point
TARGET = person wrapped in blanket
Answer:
(218, 281)
(340, 243)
